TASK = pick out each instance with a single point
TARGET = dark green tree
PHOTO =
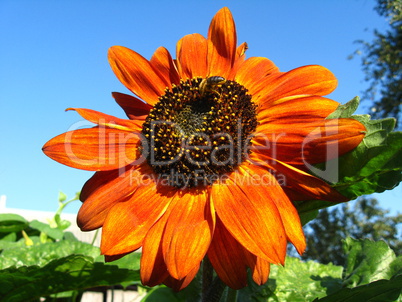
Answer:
(363, 218)
(382, 63)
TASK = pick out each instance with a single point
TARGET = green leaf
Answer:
(378, 291)
(346, 110)
(69, 236)
(372, 273)
(377, 173)
(130, 261)
(376, 164)
(297, 281)
(308, 210)
(74, 272)
(368, 261)
(12, 223)
(162, 294)
(62, 197)
(8, 237)
(54, 233)
(41, 254)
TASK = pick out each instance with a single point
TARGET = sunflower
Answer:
(214, 150)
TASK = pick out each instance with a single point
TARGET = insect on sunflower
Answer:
(207, 164)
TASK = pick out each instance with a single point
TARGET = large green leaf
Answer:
(378, 291)
(41, 254)
(370, 170)
(12, 223)
(297, 281)
(373, 166)
(54, 233)
(373, 273)
(162, 294)
(369, 261)
(74, 272)
(376, 164)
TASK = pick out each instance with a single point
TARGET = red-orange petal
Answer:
(227, 257)
(153, 268)
(178, 285)
(259, 267)
(222, 41)
(163, 63)
(307, 185)
(239, 60)
(312, 79)
(252, 71)
(103, 119)
(136, 73)
(188, 232)
(191, 55)
(102, 191)
(314, 142)
(250, 215)
(94, 149)
(303, 109)
(287, 211)
(134, 108)
(128, 222)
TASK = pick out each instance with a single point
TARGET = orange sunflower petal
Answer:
(192, 56)
(303, 108)
(260, 268)
(136, 73)
(253, 70)
(240, 58)
(162, 62)
(287, 211)
(222, 41)
(227, 258)
(188, 233)
(128, 222)
(312, 79)
(153, 267)
(251, 216)
(260, 272)
(134, 108)
(97, 191)
(103, 119)
(94, 149)
(178, 285)
(306, 184)
(315, 142)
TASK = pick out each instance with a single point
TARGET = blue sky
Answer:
(53, 56)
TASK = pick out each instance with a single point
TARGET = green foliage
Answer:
(298, 281)
(39, 260)
(361, 219)
(11, 223)
(64, 269)
(70, 273)
(372, 273)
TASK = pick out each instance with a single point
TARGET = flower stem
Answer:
(207, 276)
(231, 295)
(212, 289)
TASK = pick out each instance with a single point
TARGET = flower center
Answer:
(199, 130)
